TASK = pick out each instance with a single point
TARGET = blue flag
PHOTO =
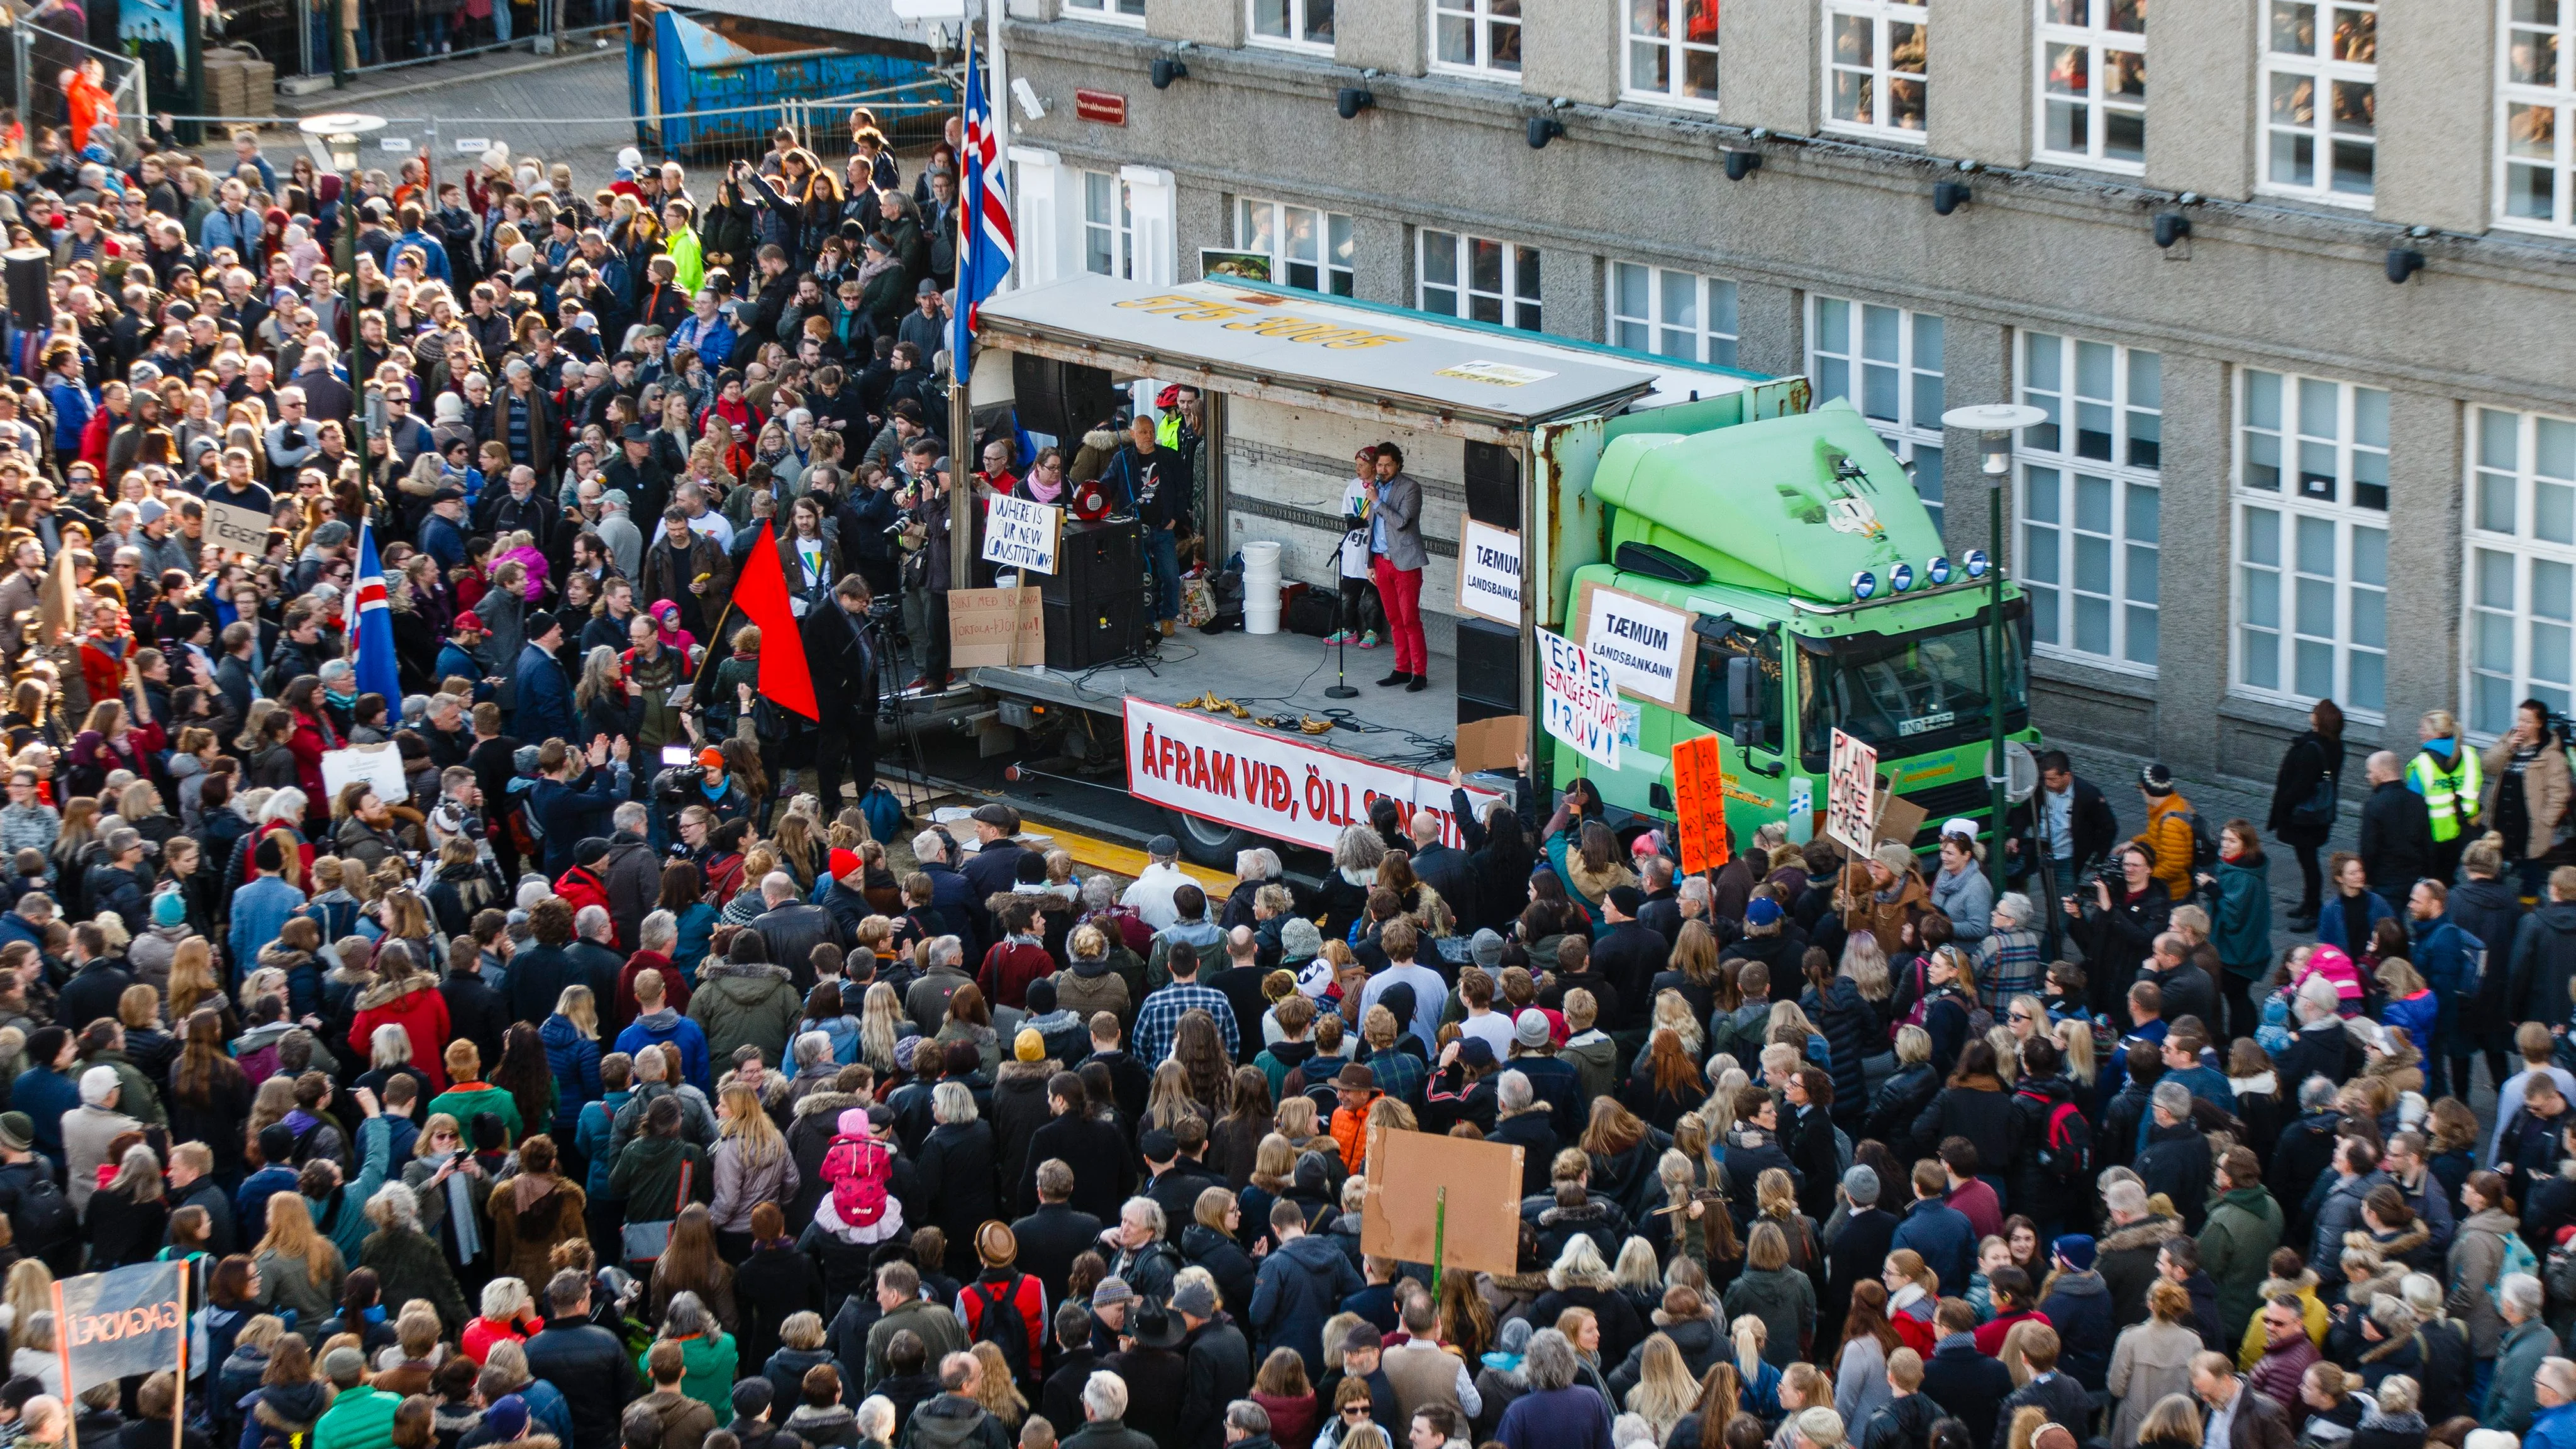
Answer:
(371, 651)
(984, 208)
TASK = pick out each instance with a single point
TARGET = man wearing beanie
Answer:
(361, 1415)
(752, 1427)
(32, 1198)
(261, 906)
(250, 1200)
(89, 1128)
(1628, 954)
(2078, 1306)
(1859, 1248)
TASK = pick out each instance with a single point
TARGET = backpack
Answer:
(2517, 1259)
(999, 1323)
(2204, 845)
(2066, 1150)
(857, 1170)
(43, 1217)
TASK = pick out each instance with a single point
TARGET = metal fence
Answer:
(296, 36)
(39, 58)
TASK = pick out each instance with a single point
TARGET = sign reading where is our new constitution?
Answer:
(1489, 573)
(1022, 533)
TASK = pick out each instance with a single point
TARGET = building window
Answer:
(2090, 495)
(1481, 36)
(1874, 55)
(2093, 82)
(1296, 22)
(1887, 362)
(2312, 541)
(2320, 87)
(2522, 566)
(1673, 58)
(2538, 114)
(1672, 314)
(1108, 226)
(1307, 248)
(1478, 279)
(1124, 12)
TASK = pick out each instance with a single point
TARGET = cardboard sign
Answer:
(1403, 1215)
(1578, 703)
(1699, 802)
(1898, 818)
(1492, 744)
(1270, 783)
(995, 627)
(230, 526)
(1851, 793)
(1489, 573)
(1648, 647)
(1021, 533)
(379, 765)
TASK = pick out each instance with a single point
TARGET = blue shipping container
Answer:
(690, 70)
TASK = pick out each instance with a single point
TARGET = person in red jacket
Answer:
(406, 996)
(581, 886)
(1019, 958)
(1001, 1287)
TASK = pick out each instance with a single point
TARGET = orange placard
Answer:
(1699, 802)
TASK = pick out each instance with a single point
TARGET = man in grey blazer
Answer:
(1397, 560)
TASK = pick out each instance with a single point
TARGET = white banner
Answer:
(243, 530)
(1851, 793)
(1021, 533)
(1579, 705)
(1489, 573)
(1647, 646)
(1269, 783)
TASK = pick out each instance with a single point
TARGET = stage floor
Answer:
(1282, 675)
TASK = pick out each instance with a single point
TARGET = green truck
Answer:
(1759, 569)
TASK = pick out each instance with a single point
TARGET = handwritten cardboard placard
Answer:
(1021, 533)
(1851, 792)
(995, 628)
(1649, 647)
(379, 765)
(231, 526)
(1699, 802)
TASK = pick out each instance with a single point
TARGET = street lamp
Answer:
(1994, 424)
(334, 141)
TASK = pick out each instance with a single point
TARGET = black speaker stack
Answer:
(1094, 603)
(1489, 654)
(1064, 400)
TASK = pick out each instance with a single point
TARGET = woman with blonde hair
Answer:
(2152, 1360)
(752, 1166)
(28, 1292)
(1665, 1390)
(994, 1390)
(881, 1026)
(299, 1269)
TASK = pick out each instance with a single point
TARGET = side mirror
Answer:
(1743, 697)
(1748, 734)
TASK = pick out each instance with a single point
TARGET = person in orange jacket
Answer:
(1357, 1086)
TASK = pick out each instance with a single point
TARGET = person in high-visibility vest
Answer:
(2447, 775)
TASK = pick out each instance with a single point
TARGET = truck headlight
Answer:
(1864, 584)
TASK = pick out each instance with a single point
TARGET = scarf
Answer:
(1043, 493)
(460, 1214)
(868, 271)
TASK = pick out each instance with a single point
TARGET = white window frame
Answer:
(1882, 19)
(2522, 474)
(2336, 611)
(1108, 12)
(2524, 100)
(1519, 264)
(1485, 20)
(1911, 424)
(1120, 233)
(1677, 52)
(2099, 41)
(1300, 18)
(1695, 334)
(2091, 390)
(2330, 78)
(1279, 214)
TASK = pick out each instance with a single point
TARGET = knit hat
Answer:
(1860, 1184)
(1041, 998)
(344, 1367)
(508, 1416)
(17, 1131)
(169, 909)
(95, 1084)
(1894, 856)
(2156, 778)
(845, 863)
(1626, 898)
(1299, 940)
(2075, 1250)
(1110, 1292)
(1529, 1029)
(1195, 1299)
(1485, 948)
(751, 1398)
(1028, 1046)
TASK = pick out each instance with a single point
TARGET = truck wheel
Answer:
(1206, 842)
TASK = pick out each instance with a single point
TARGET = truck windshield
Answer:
(1907, 694)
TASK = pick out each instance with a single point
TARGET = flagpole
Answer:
(962, 505)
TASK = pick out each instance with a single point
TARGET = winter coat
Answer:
(411, 1265)
(2126, 1259)
(753, 1003)
(956, 1167)
(2151, 1360)
(1941, 1235)
(2236, 1250)
(524, 1239)
(2511, 1404)
(2476, 1261)
(416, 1006)
(574, 1060)
(2078, 1306)
(1786, 1303)
(1301, 1283)
(1977, 1108)
(1854, 1031)
(742, 1185)
(2240, 924)
(1970, 1385)
(1899, 1101)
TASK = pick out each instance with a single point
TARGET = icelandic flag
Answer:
(985, 214)
(372, 652)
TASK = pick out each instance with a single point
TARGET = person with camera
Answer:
(2116, 919)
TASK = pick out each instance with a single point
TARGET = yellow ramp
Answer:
(1123, 860)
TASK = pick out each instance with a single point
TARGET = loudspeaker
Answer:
(1472, 710)
(1089, 632)
(1493, 486)
(1093, 559)
(1489, 665)
(1061, 399)
(29, 276)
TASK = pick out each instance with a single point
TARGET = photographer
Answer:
(2117, 917)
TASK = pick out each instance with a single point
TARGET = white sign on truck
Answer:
(1489, 573)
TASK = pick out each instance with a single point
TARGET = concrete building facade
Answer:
(2312, 379)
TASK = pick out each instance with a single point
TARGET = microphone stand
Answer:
(1341, 688)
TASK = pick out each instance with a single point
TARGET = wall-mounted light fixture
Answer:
(1543, 129)
(1949, 196)
(1352, 101)
(1740, 164)
(2171, 227)
(1168, 70)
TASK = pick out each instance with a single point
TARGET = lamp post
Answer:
(1994, 424)
(334, 141)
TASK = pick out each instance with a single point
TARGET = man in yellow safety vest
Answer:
(2447, 775)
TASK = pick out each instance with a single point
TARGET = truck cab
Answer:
(1819, 599)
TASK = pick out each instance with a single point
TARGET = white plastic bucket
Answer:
(1260, 562)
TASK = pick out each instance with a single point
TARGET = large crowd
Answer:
(599, 1088)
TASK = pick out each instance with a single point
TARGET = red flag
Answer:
(761, 595)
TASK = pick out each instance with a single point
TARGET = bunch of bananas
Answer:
(1215, 703)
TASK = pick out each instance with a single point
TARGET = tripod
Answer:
(886, 640)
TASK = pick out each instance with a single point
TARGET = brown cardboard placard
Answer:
(1493, 744)
(1400, 1215)
(1898, 818)
(1677, 655)
(995, 627)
